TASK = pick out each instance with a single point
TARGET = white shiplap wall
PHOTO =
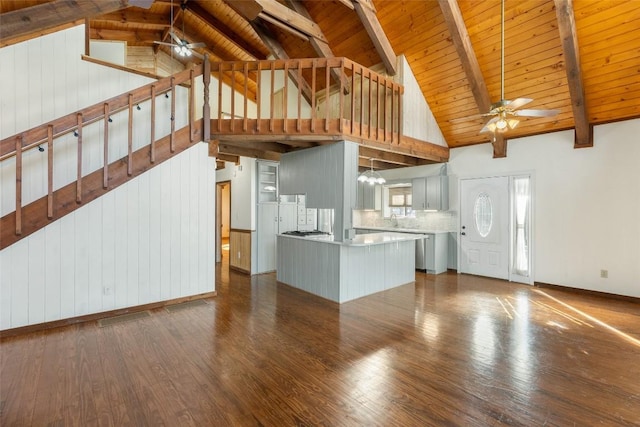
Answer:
(149, 240)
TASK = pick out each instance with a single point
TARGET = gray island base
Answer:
(343, 271)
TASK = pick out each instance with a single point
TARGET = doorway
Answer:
(223, 219)
(495, 227)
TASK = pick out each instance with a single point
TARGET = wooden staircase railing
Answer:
(359, 102)
(89, 185)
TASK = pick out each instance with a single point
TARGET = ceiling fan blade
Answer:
(175, 38)
(536, 113)
(197, 55)
(486, 126)
(518, 102)
(194, 45)
(164, 43)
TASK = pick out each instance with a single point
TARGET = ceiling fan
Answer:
(505, 113)
(181, 46)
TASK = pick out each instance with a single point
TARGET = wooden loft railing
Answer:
(21, 222)
(359, 103)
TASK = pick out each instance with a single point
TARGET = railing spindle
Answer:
(285, 96)
(313, 95)
(377, 108)
(172, 138)
(361, 99)
(105, 148)
(327, 96)
(192, 88)
(271, 93)
(79, 178)
(341, 97)
(353, 97)
(220, 97)
(233, 97)
(50, 171)
(400, 91)
(246, 95)
(19, 184)
(258, 97)
(152, 143)
(298, 123)
(206, 108)
(369, 106)
(130, 137)
(392, 115)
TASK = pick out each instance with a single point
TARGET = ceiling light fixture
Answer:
(371, 176)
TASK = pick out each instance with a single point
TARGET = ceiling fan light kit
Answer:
(504, 113)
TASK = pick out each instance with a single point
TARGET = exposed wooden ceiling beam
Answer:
(228, 158)
(460, 37)
(274, 147)
(291, 18)
(569, 37)
(367, 14)
(132, 16)
(225, 148)
(365, 163)
(224, 30)
(391, 158)
(137, 36)
(48, 15)
(249, 9)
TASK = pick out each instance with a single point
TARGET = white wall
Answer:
(417, 119)
(586, 201)
(243, 192)
(149, 240)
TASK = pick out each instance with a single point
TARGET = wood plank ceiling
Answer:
(581, 57)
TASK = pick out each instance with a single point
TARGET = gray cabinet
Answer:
(366, 196)
(430, 193)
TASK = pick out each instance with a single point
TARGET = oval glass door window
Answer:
(483, 213)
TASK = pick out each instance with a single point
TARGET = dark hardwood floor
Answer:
(447, 350)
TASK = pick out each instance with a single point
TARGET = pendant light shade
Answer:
(371, 176)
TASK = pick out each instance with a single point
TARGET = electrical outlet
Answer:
(106, 290)
(238, 254)
(604, 274)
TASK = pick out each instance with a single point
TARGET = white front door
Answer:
(484, 223)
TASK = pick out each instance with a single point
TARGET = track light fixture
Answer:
(110, 120)
(75, 133)
(166, 95)
(40, 148)
(138, 107)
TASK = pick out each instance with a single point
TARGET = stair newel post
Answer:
(105, 147)
(206, 108)
(50, 171)
(172, 142)
(79, 177)
(19, 185)
(361, 101)
(285, 96)
(130, 139)
(400, 92)
(192, 87)
(152, 145)
(369, 88)
(313, 95)
(353, 97)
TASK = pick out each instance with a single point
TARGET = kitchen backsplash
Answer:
(435, 221)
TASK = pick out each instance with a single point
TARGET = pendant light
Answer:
(371, 176)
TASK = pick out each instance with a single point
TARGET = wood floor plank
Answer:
(447, 350)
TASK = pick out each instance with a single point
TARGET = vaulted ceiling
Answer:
(581, 57)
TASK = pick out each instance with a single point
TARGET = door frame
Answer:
(532, 185)
(218, 229)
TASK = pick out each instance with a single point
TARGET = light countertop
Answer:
(403, 230)
(362, 239)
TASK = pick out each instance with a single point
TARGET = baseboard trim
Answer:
(587, 292)
(102, 315)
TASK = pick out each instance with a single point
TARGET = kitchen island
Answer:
(343, 271)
